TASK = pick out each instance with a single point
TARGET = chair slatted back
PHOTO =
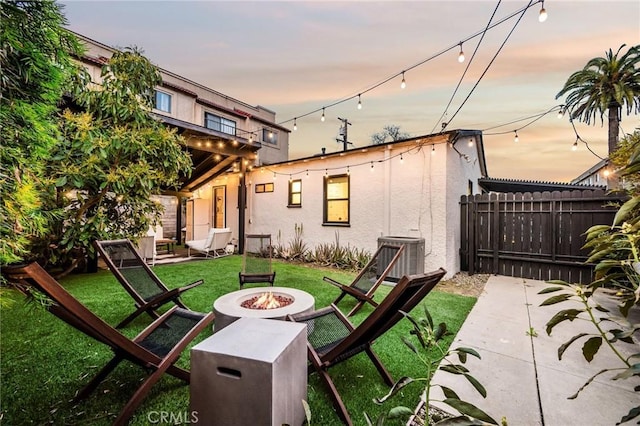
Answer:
(406, 294)
(257, 254)
(377, 268)
(70, 310)
(130, 269)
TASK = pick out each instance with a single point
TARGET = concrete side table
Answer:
(253, 372)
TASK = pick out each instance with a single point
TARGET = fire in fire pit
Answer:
(267, 300)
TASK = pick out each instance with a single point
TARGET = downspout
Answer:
(242, 205)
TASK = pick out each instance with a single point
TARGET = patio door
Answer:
(219, 203)
(197, 219)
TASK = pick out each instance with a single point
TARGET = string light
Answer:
(560, 112)
(403, 84)
(359, 103)
(433, 149)
(274, 176)
(575, 146)
(322, 118)
(516, 138)
(470, 143)
(348, 172)
(543, 14)
(270, 134)
(606, 172)
(290, 179)
(461, 58)
(251, 138)
(401, 159)
(295, 124)
(307, 172)
(372, 166)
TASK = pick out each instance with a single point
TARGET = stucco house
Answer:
(242, 178)
(409, 188)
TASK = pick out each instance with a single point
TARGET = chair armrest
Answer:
(192, 285)
(172, 294)
(333, 282)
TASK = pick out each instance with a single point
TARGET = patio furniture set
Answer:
(331, 337)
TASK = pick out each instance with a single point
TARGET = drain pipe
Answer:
(242, 205)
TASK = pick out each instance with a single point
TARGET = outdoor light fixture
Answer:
(295, 124)
(403, 84)
(322, 118)
(606, 172)
(359, 102)
(270, 134)
(461, 54)
(543, 14)
(516, 138)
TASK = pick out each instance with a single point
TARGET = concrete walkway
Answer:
(525, 381)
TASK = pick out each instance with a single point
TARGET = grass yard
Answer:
(44, 362)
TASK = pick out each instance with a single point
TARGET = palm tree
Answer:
(605, 84)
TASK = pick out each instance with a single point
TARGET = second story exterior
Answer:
(213, 124)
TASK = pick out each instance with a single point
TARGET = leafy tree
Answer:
(112, 157)
(389, 133)
(606, 84)
(34, 63)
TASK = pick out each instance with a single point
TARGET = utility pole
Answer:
(345, 141)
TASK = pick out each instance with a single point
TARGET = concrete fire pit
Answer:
(228, 307)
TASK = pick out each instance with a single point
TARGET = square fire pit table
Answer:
(228, 308)
(254, 372)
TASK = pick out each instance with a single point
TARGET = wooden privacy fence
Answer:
(532, 235)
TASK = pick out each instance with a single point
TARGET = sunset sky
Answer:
(296, 57)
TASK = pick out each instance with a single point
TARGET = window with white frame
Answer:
(336, 200)
(163, 101)
(221, 124)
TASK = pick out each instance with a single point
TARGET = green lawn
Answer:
(44, 362)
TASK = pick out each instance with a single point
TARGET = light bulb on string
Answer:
(295, 124)
(359, 102)
(575, 146)
(543, 14)
(372, 166)
(322, 118)
(290, 179)
(274, 176)
(307, 172)
(433, 149)
(270, 134)
(461, 54)
(401, 159)
(348, 172)
(470, 143)
(516, 138)
(560, 113)
(403, 84)
(606, 172)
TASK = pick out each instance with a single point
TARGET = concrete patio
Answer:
(525, 381)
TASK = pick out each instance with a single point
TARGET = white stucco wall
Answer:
(416, 197)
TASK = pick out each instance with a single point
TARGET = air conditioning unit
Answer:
(411, 260)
